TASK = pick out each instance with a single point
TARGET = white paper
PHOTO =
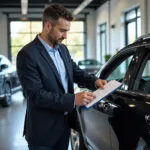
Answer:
(101, 93)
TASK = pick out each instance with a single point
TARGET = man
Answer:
(47, 73)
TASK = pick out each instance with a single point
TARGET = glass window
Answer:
(76, 52)
(138, 27)
(133, 25)
(76, 40)
(14, 52)
(138, 12)
(146, 71)
(131, 15)
(22, 32)
(20, 39)
(77, 26)
(19, 27)
(131, 32)
(36, 26)
(120, 71)
(143, 84)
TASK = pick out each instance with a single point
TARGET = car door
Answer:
(106, 106)
(127, 121)
(95, 121)
(95, 128)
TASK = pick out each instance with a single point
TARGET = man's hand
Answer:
(83, 98)
(100, 83)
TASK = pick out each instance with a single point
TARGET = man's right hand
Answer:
(83, 98)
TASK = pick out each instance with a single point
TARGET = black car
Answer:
(89, 65)
(121, 121)
(9, 82)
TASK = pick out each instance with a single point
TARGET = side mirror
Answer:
(4, 66)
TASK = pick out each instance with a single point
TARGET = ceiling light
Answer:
(24, 7)
(81, 6)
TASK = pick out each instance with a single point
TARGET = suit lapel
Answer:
(48, 59)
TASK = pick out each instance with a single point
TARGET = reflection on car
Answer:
(121, 121)
(9, 82)
(90, 65)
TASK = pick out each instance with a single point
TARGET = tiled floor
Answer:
(11, 125)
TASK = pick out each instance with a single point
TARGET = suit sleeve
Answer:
(32, 85)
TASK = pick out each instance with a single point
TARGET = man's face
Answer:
(58, 32)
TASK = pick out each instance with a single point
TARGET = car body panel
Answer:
(91, 121)
(118, 121)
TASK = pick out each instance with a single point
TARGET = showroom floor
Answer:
(11, 125)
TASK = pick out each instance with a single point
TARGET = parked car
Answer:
(89, 65)
(121, 121)
(9, 82)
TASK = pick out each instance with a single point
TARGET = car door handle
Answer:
(147, 118)
(106, 106)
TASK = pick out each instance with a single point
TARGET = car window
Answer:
(120, 71)
(143, 84)
(5, 61)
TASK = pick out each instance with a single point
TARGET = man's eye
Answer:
(62, 30)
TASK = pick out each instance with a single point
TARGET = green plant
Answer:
(107, 57)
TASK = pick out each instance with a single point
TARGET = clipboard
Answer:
(109, 88)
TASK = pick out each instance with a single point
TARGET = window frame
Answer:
(9, 33)
(115, 61)
(39, 19)
(131, 21)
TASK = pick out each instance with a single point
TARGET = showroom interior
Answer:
(100, 29)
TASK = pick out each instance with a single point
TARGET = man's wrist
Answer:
(95, 84)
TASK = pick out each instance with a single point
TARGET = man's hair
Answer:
(54, 12)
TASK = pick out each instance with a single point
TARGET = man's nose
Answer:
(65, 35)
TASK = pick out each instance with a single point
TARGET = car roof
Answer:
(138, 43)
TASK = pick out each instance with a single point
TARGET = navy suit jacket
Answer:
(46, 98)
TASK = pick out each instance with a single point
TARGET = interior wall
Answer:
(115, 17)
(101, 17)
(3, 35)
(148, 14)
(115, 36)
(91, 38)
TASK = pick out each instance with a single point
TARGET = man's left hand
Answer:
(100, 83)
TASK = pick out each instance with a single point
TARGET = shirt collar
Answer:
(48, 48)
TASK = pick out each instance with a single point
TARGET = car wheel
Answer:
(74, 140)
(6, 101)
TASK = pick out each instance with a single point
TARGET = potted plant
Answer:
(107, 57)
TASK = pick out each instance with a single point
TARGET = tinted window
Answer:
(143, 83)
(120, 71)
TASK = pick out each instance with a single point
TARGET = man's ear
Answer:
(48, 26)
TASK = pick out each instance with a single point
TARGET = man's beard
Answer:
(55, 42)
